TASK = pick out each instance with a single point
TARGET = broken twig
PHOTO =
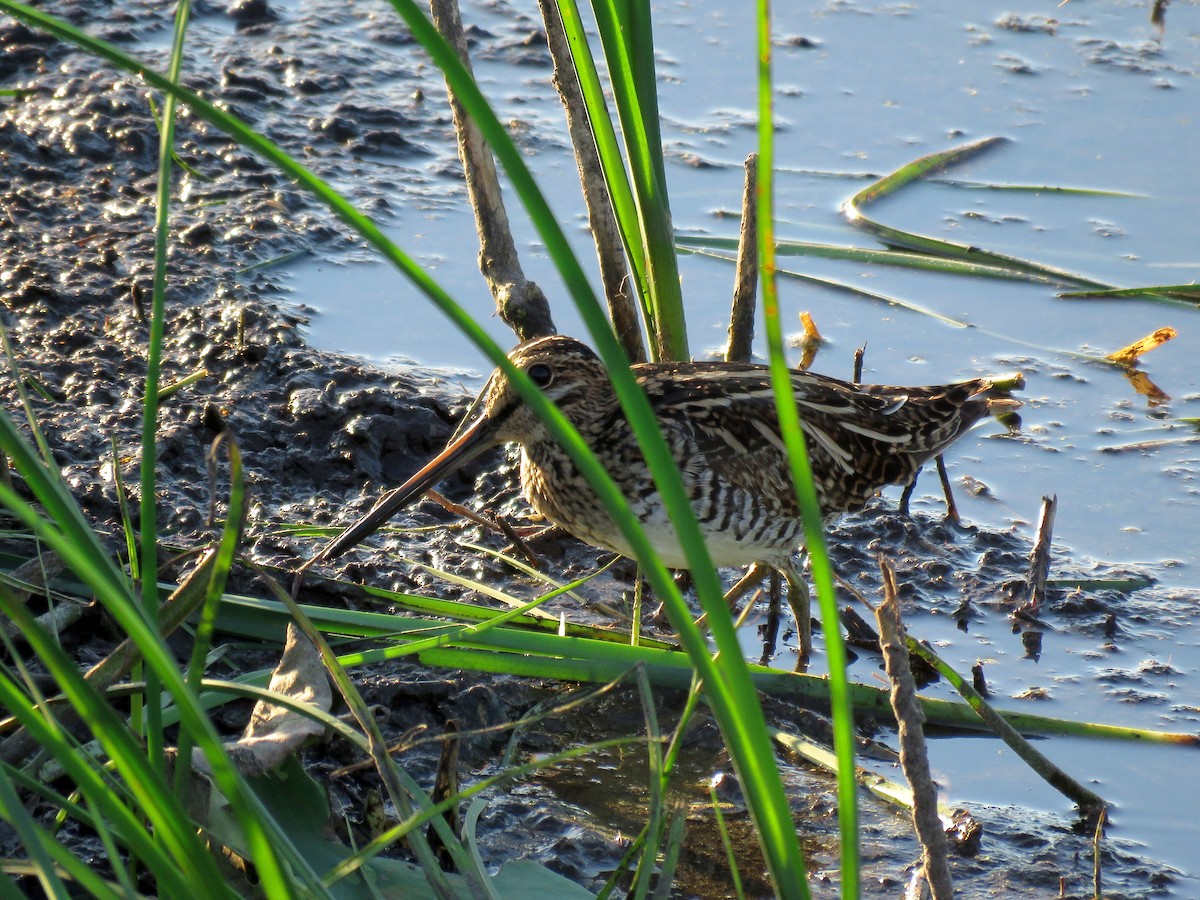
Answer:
(745, 289)
(913, 756)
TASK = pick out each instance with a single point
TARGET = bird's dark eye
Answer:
(541, 374)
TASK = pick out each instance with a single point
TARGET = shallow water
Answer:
(1095, 113)
(1090, 99)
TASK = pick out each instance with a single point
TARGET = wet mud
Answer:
(322, 434)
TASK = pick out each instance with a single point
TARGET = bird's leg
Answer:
(907, 493)
(801, 604)
(951, 507)
(770, 630)
(752, 579)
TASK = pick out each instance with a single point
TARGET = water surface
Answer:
(1089, 97)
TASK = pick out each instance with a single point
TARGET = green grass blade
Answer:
(399, 792)
(676, 826)
(642, 418)
(608, 148)
(470, 822)
(231, 534)
(87, 555)
(127, 527)
(920, 168)
(511, 158)
(802, 479)
(33, 839)
(457, 609)
(144, 781)
(246, 690)
(83, 876)
(70, 537)
(657, 821)
(431, 813)
(728, 686)
(19, 382)
(730, 855)
(150, 398)
(627, 36)
(872, 256)
(1184, 293)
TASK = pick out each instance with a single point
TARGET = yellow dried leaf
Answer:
(1128, 356)
(809, 342)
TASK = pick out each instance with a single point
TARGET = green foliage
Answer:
(639, 192)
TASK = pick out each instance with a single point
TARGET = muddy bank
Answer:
(321, 434)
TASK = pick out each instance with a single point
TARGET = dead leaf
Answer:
(275, 732)
(1128, 356)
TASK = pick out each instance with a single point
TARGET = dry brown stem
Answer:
(1039, 557)
(520, 302)
(741, 317)
(913, 757)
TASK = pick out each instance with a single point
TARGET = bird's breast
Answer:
(738, 527)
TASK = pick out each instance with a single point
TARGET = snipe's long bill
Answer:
(719, 421)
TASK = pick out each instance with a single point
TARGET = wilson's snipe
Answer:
(719, 421)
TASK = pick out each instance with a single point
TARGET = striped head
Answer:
(568, 372)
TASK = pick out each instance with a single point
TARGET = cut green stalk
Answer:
(175, 386)
(892, 792)
(935, 162)
(851, 289)
(504, 648)
(1087, 799)
(917, 308)
(964, 185)
(1186, 294)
